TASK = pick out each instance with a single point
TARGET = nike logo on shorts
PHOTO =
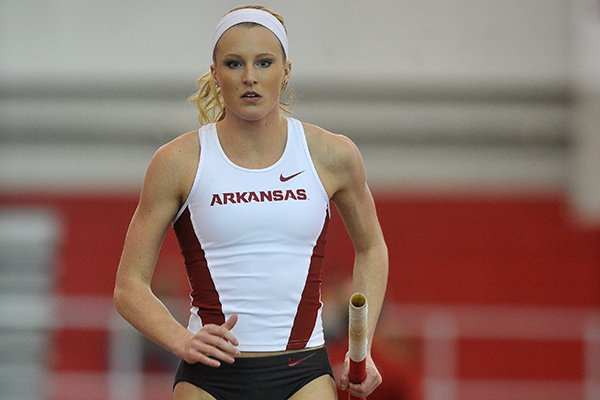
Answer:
(292, 362)
(287, 178)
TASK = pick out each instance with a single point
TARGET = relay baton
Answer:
(357, 335)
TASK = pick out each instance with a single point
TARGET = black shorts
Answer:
(274, 378)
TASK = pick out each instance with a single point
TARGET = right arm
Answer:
(167, 183)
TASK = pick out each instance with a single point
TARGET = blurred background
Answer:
(479, 122)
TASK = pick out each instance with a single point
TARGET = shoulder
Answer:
(181, 145)
(174, 163)
(178, 152)
(336, 158)
(332, 149)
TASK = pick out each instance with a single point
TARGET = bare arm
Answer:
(342, 171)
(166, 183)
(357, 209)
(355, 204)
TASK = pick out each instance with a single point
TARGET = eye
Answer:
(264, 63)
(233, 64)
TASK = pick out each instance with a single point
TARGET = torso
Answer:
(277, 244)
(321, 144)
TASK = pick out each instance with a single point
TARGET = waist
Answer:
(256, 354)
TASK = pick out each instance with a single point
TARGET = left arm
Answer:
(342, 171)
(357, 209)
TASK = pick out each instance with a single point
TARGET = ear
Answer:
(287, 70)
(213, 73)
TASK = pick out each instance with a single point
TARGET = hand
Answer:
(366, 387)
(212, 344)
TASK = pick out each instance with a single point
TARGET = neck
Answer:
(263, 129)
(253, 144)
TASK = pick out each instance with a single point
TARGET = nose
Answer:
(249, 76)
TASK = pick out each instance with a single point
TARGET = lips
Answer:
(251, 95)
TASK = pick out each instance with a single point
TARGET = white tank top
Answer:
(253, 241)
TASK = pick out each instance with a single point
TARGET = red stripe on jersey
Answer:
(204, 292)
(310, 302)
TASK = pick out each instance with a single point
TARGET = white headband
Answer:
(259, 17)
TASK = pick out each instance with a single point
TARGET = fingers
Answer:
(366, 387)
(228, 325)
(213, 344)
(222, 331)
(344, 378)
(363, 389)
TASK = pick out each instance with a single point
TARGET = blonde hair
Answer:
(208, 97)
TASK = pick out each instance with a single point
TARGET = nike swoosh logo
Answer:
(292, 363)
(287, 178)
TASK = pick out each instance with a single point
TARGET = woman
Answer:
(248, 197)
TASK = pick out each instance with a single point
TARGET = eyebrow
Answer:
(235, 55)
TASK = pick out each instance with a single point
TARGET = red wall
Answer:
(496, 250)
(442, 250)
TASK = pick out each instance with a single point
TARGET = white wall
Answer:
(440, 95)
(585, 76)
(395, 41)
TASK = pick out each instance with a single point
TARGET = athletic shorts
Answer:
(257, 378)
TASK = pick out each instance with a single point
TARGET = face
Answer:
(250, 69)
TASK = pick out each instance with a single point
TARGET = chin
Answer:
(254, 115)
